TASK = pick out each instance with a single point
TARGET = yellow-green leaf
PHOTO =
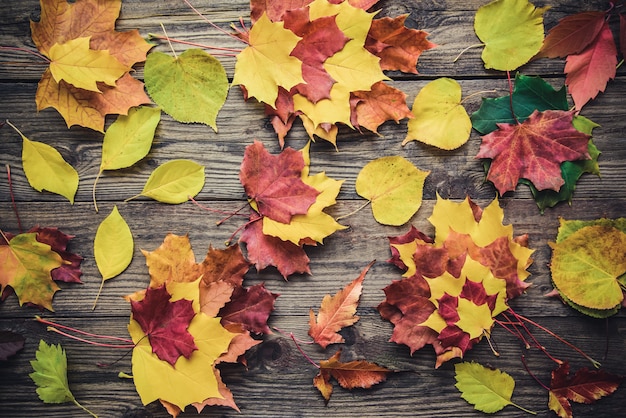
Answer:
(129, 138)
(439, 117)
(82, 67)
(394, 186)
(190, 88)
(174, 181)
(512, 31)
(586, 266)
(266, 63)
(113, 247)
(46, 169)
(488, 390)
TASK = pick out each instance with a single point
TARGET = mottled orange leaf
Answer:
(371, 108)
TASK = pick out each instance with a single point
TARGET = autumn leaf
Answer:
(585, 386)
(250, 307)
(69, 271)
(394, 186)
(336, 312)
(371, 108)
(572, 34)
(174, 181)
(439, 117)
(61, 24)
(50, 375)
(165, 322)
(190, 88)
(489, 390)
(350, 375)
(512, 32)
(533, 150)
(10, 343)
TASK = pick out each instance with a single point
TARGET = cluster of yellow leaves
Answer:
(90, 62)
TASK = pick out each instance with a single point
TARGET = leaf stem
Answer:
(180, 41)
(232, 237)
(532, 374)
(290, 334)
(211, 23)
(354, 211)
(208, 209)
(168, 40)
(83, 408)
(467, 49)
(28, 51)
(4, 237)
(306, 356)
(93, 191)
(231, 214)
(78, 331)
(508, 77)
(528, 411)
(476, 94)
(17, 214)
(98, 295)
(83, 340)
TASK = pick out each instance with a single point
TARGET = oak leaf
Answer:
(585, 386)
(336, 312)
(533, 150)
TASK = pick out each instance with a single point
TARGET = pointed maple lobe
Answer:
(533, 150)
(572, 34)
(165, 323)
(275, 183)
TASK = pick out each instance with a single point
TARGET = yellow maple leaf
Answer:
(266, 63)
(82, 67)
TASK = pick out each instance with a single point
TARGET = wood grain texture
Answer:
(278, 380)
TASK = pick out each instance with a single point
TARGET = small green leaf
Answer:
(46, 169)
(190, 88)
(174, 181)
(394, 186)
(113, 247)
(50, 375)
(487, 389)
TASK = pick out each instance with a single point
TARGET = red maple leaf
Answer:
(250, 307)
(165, 323)
(533, 150)
(412, 235)
(265, 250)
(589, 71)
(586, 386)
(274, 182)
(572, 34)
(397, 46)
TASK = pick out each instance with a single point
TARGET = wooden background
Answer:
(278, 380)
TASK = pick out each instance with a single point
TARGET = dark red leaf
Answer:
(10, 343)
(250, 307)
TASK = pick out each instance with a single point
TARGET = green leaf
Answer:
(50, 375)
(529, 94)
(512, 31)
(568, 227)
(46, 169)
(190, 88)
(394, 186)
(174, 181)
(113, 247)
(487, 389)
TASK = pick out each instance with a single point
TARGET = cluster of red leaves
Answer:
(62, 22)
(397, 47)
(25, 266)
(586, 41)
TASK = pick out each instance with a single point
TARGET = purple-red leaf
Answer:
(250, 307)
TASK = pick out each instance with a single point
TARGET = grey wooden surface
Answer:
(278, 380)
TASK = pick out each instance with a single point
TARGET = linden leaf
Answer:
(266, 62)
(250, 307)
(82, 67)
(585, 386)
(586, 266)
(275, 183)
(439, 117)
(174, 181)
(572, 34)
(189, 88)
(488, 390)
(165, 323)
(336, 312)
(10, 343)
(372, 108)
(589, 71)
(533, 150)
(394, 186)
(112, 247)
(26, 267)
(350, 375)
(46, 169)
(50, 375)
(512, 31)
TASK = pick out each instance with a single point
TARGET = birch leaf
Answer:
(190, 88)
(46, 169)
(394, 186)
(174, 181)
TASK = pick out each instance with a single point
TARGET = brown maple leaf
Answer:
(533, 150)
(370, 109)
(61, 22)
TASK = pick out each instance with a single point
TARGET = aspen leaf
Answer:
(439, 117)
(50, 375)
(174, 181)
(82, 67)
(112, 247)
(46, 169)
(189, 88)
(488, 390)
(394, 186)
(512, 31)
